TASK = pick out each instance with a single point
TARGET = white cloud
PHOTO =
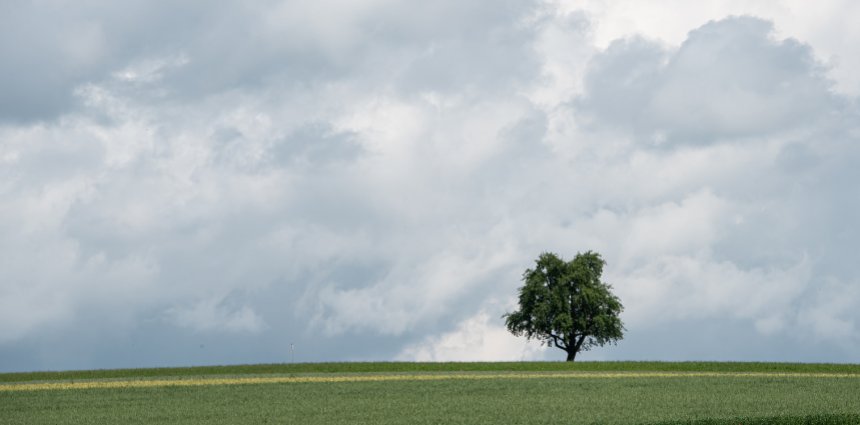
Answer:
(673, 288)
(478, 338)
(150, 70)
(411, 294)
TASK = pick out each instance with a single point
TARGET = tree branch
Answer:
(556, 339)
(579, 342)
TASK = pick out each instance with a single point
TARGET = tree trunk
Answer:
(571, 354)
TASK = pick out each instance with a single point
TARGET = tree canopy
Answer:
(566, 305)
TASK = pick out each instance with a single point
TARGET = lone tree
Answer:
(565, 304)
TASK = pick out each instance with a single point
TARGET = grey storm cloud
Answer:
(190, 184)
(729, 79)
(49, 49)
(52, 49)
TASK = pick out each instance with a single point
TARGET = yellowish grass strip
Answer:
(149, 383)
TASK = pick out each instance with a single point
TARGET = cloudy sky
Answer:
(186, 183)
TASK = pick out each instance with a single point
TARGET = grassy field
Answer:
(441, 393)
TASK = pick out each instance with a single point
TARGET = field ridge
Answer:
(419, 376)
(380, 367)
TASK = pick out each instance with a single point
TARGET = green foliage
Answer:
(566, 305)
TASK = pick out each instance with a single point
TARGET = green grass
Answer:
(775, 420)
(721, 400)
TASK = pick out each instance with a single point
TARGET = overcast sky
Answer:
(188, 183)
